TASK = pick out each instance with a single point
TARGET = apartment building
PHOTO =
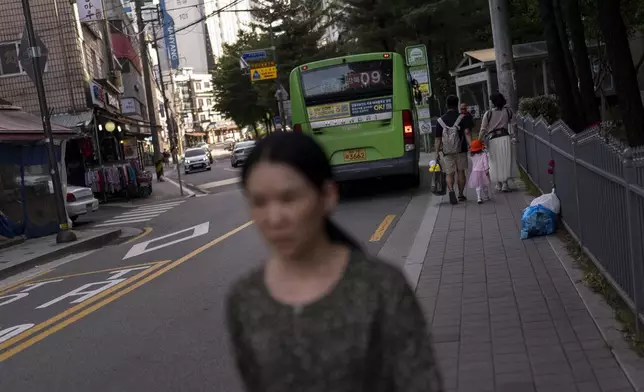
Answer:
(198, 116)
(223, 28)
(190, 32)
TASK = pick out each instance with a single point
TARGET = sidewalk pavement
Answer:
(505, 314)
(45, 249)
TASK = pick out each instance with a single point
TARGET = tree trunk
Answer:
(557, 65)
(572, 15)
(621, 62)
(570, 64)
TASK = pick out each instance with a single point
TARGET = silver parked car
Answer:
(196, 159)
(79, 201)
(241, 151)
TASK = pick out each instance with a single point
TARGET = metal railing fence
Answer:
(600, 182)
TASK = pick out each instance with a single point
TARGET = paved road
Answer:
(147, 315)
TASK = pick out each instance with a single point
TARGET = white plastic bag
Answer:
(549, 201)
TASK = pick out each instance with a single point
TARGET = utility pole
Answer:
(278, 85)
(108, 46)
(171, 125)
(500, 18)
(64, 235)
(149, 93)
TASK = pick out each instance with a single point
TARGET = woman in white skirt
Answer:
(497, 129)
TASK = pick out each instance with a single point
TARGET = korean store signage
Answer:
(97, 93)
(112, 101)
(129, 106)
(90, 10)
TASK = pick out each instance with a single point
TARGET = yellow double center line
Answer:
(110, 295)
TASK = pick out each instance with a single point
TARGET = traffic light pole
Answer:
(64, 234)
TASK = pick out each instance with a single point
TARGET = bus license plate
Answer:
(355, 155)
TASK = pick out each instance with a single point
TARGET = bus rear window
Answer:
(363, 79)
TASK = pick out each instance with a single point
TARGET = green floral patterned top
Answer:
(368, 334)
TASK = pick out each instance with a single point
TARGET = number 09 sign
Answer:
(364, 79)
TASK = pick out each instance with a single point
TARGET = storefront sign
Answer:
(130, 106)
(90, 10)
(112, 101)
(130, 148)
(97, 93)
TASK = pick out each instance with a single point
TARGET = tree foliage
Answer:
(236, 96)
(297, 28)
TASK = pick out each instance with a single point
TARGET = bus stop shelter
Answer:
(476, 76)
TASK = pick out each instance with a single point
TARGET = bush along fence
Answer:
(600, 182)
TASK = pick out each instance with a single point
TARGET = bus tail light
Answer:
(297, 128)
(408, 130)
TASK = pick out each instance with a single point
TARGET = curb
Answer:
(190, 192)
(95, 242)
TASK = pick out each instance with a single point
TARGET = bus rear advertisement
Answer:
(360, 109)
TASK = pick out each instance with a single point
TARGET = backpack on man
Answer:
(451, 138)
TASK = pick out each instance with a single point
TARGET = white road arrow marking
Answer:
(142, 247)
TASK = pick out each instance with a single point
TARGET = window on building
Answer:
(200, 102)
(202, 117)
(209, 102)
(117, 26)
(197, 85)
(206, 85)
(94, 62)
(9, 64)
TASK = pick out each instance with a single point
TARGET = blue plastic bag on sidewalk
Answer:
(537, 221)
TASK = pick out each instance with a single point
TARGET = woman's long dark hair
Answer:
(498, 100)
(301, 153)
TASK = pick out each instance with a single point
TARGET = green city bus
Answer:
(360, 108)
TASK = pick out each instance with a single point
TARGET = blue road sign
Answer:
(254, 55)
(278, 120)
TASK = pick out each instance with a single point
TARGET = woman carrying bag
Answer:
(497, 129)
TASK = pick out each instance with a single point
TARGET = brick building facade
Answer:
(76, 56)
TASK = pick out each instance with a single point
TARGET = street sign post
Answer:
(418, 63)
(25, 58)
(265, 73)
(254, 55)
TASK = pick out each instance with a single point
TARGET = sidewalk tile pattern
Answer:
(504, 314)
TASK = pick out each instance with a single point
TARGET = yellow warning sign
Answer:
(265, 73)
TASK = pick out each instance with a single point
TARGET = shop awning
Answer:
(16, 125)
(196, 134)
(73, 120)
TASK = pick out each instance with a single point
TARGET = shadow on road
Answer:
(383, 187)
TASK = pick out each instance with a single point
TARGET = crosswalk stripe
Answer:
(139, 215)
(126, 218)
(158, 206)
(159, 210)
(114, 223)
(216, 184)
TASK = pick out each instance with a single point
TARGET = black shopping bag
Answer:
(439, 182)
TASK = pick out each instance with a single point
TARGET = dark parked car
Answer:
(241, 152)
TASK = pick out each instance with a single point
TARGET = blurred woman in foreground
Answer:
(320, 315)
